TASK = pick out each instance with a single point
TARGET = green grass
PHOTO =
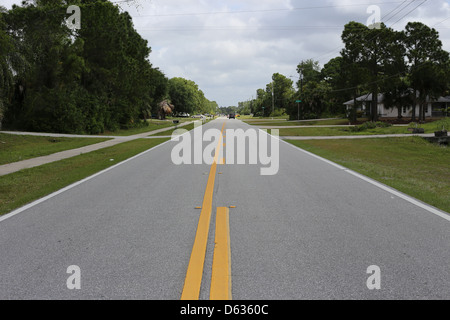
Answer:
(188, 127)
(435, 126)
(153, 125)
(319, 132)
(15, 148)
(263, 119)
(20, 188)
(429, 127)
(409, 164)
(334, 122)
(244, 117)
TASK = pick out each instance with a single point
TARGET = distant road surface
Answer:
(309, 232)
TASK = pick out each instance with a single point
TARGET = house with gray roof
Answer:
(435, 107)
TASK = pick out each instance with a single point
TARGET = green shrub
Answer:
(370, 125)
(414, 125)
(381, 124)
(279, 113)
(443, 124)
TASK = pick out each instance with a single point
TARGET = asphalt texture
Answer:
(309, 232)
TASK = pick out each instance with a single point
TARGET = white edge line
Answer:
(384, 187)
(304, 151)
(54, 194)
(399, 194)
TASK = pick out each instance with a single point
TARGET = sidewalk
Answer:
(35, 162)
(315, 126)
(359, 137)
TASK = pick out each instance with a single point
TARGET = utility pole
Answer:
(273, 97)
(301, 92)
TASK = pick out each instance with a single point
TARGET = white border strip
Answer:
(384, 187)
(35, 203)
(416, 202)
(304, 151)
(399, 194)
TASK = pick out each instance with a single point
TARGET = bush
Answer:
(443, 124)
(370, 125)
(278, 113)
(413, 125)
(381, 124)
(1, 113)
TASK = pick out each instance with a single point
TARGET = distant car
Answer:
(232, 116)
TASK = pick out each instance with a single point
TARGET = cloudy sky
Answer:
(231, 48)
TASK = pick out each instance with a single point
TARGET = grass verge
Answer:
(15, 148)
(410, 165)
(20, 188)
(188, 127)
(330, 132)
(329, 122)
(152, 126)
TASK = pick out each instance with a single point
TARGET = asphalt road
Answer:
(309, 232)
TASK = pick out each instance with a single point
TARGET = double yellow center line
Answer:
(221, 269)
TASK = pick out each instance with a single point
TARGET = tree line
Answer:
(89, 80)
(189, 98)
(408, 67)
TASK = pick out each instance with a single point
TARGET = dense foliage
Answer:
(407, 66)
(85, 80)
(188, 98)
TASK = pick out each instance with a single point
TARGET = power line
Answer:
(204, 28)
(261, 10)
(402, 9)
(415, 8)
(340, 47)
(395, 75)
(335, 50)
(441, 21)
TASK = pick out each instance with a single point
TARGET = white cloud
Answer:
(231, 48)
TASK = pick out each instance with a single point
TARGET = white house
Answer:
(434, 108)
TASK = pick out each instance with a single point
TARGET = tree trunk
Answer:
(421, 108)
(354, 110)
(374, 112)
(413, 116)
(420, 111)
(424, 113)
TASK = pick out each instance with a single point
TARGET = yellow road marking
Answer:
(193, 280)
(221, 268)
